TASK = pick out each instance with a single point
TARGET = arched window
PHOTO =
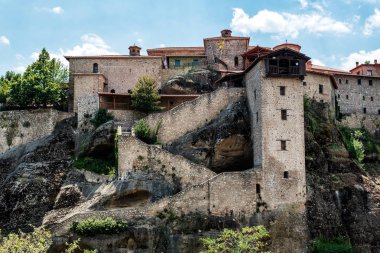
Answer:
(236, 61)
(95, 68)
(112, 91)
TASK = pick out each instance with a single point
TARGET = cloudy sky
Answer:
(334, 33)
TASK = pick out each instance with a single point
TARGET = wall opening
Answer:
(364, 110)
(283, 145)
(284, 115)
(282, 90)
(236, 60)
(258, 188)
(321, 89)
(286, 174)
(95, 68)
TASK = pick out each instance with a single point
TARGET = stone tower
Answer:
(225, 52)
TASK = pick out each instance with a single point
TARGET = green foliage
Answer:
(91, 227)
(38, 241)
(247, 240)
(101, 116)
(144, 95)
(358, 142)
(310, 115)
(144, 133)
(103, 167)
(43, 83)
(367, 62)
(6, 81)
(337, 245)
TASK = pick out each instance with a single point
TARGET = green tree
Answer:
(248, 240)
(6, 82)
(144, 95)
(47, 79)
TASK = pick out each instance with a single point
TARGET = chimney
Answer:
(134, 50)
(357, 63)
(375, 61)
(226, 33)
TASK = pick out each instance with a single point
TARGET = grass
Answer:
(91, 227)
(336, 245)
(103, 167)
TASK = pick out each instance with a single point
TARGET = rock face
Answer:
(223, 144)
(343, 200)
(198, 81)
(102, 141)
(32, 176)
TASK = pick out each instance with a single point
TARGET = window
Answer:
(177, 63)
(95, 68)
(195, 62)
(286, 174)
(257, 116)
(254, 94)
(371, 98)
(378, 111)
(282, 90)
(258, 188)
(320, 89)
(338, 95)
(370, 82)
(340, 80)
(304, 83)
(346, 96)
(364, 110)
(283, 145)
(112, 91)
(346, 81)
(369, 72)
(363, 97)
(236, 61)
(359, 81)
(284, 116)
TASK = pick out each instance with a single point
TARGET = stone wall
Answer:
(24, 126)
(127, 118)
(311, 87)
(167, 74)
(193, 114)
(358, 120)
(353, 97)
(135, 155)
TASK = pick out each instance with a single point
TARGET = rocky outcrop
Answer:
(31, 177)
(343, 199)
(224, 144)
(101, 141)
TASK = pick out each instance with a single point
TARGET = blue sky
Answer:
(334, 33)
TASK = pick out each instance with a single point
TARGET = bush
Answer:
(144, 133)
(103, 167)
(249, 239)
(144, 95)
(337, 245)
(101, 116)
(91, 227)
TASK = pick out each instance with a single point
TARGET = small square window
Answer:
(320, 89)
(283, 145)
(254, 94)
(338, 95)
(346, 81)
(286, 174)
(282, 90)
(369, 72)
(378, 111)
(363, 97)
(177, 63)
(371, 98)
(304, 83)
(258, 188)
(257, 117)
(284, 115)
(370, 82)
(359, 81)
(346, 96)
(364, 110)
(340, 80)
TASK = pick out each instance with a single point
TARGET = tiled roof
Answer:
(120, 56)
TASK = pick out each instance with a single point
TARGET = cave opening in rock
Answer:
(130, 199)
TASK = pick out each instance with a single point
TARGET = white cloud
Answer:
(162, 45)
(318, 6)
(92, 44)
(4, 40)
(140, 40)
(303, 3)
(19, 69)
(19, 57)
(372, 23)
(57, 10)
(285, 24)
(349, 61)
(317, 62)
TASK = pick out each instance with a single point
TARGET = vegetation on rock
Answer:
(337, 245)
(144, 95)
(99, 166)
(91, 227)
(144, 133)
(247, 240)
(101, 116)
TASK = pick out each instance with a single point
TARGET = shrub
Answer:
(144, 133)
(103, 167)
(91, 227)
(249, 239)
(101, 116)
(337, 245)
(144, 95)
